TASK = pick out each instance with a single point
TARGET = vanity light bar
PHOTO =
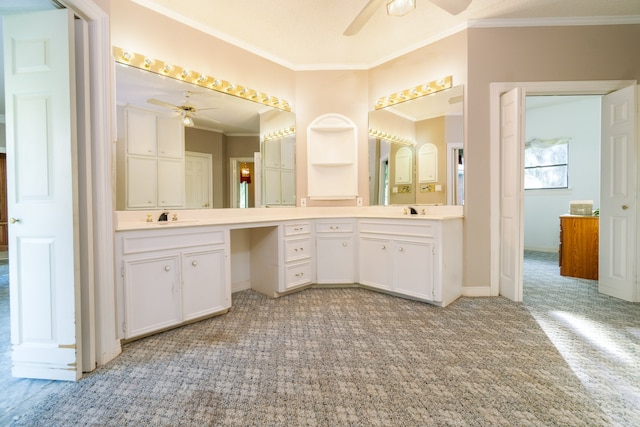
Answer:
(391, 138)
(416, 92)
(279, 134)
(177, 72)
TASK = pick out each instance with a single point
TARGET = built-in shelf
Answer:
(332, 152)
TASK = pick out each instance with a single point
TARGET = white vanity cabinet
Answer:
(335, 251)
(170, 276)
(412, 257)
(154, 157)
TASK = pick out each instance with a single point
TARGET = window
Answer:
(546, 163)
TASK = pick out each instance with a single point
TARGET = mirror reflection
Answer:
(432, 170)
(181, 146)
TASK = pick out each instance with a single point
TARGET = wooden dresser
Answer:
(578, 252)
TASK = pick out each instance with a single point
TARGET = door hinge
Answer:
(122, 271)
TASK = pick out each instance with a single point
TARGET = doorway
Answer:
(242, 181)
(509, 244)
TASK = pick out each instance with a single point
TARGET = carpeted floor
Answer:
(334, 357)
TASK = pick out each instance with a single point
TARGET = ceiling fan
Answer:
(400, 7)
(186, 109)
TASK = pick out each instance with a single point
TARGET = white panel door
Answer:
(618, 195)
(511, 163)
(198, 180)
(170, 182)
(42, 195)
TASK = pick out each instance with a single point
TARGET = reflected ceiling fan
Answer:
(400, 8)
(186, 109)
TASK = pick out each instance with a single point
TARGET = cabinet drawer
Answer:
(196, 236)
(409, 227)
(295, 229)
(295, 249)
(297, 274)
(334, 227)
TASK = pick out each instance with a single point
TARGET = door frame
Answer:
(234, 177)
(102, 117)
(597, 87)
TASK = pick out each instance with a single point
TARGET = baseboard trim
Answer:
(476, 291)
(241, 286)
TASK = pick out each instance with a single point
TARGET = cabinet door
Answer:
(272, 187)
(413, 268)
(170, 137)
(271, 153)
(334, 259)
(375, 262)
(170, 182)
(142, 182)
(288, 187)
(152, 294)
(141, 132)
(288, 153)
(203, 283)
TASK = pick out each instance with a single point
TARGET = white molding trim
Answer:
(476, 291)
(102, 133)
(496, 89)
(555, 22)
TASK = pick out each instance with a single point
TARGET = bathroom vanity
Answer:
(175, 272)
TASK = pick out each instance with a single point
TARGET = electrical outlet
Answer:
(359, 201)
(303, 202)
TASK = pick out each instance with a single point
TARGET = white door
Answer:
(511, 163)
(198, 180)
(42, 195)
(618, 192)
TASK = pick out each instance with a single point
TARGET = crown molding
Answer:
(555, 22)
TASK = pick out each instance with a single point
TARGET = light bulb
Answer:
(187, 121)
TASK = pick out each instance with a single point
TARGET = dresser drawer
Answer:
(297, 274)
(297, 228)
(295, 249)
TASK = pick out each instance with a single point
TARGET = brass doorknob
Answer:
(625, 207)
(14, 220)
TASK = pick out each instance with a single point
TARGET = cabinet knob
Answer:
(194, 263)
(625, 207)
(344, 244)
(400, 249)
(384, 247)
(167, 268)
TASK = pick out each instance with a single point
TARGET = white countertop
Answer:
(136, 220)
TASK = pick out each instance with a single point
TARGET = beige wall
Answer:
(322, 92)
(141, 30)
(527, 54)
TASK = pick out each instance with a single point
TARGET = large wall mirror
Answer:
(416, 156)
(183, 146)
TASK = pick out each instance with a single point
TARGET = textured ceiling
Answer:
(308, 34)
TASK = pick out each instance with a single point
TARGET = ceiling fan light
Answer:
(187, 120)
(400, 7)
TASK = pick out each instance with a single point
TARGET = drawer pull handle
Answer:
(334, 228)
(625, 207)
(167, 268)
(194, 263)
(299, 274)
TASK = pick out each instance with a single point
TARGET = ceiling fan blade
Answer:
(162, 104)
(363, 17)
(454, 7)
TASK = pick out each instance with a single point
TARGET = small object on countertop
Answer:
(163, 216)
(413, 211)
(174, 217)
(149, 218)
